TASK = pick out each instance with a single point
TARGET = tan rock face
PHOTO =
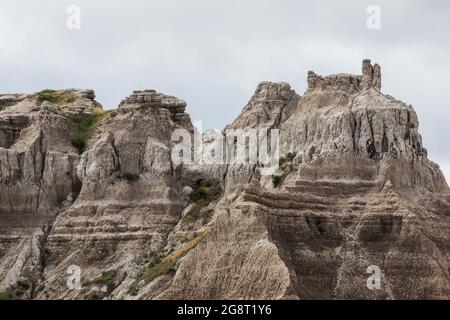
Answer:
(361, 194)
(355, 192)
(128, 203)
(37, 175)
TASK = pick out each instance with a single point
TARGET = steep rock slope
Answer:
(37, 175)
(128, 203)
(237, 260)
(363, 193)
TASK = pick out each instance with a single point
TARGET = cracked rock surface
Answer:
(355, 189)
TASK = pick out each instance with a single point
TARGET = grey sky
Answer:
(214, 53)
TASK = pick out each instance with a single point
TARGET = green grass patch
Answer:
(5, 105)
(197, 212)
(58, 97)
(82, 125)
(9, 294)
(165, 265)
(106, 277)
(287, 160)
(198, 194)
(202, 197)
(133, 291)
(94, 295)
(209, 191)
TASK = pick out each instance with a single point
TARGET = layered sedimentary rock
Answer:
(37, 176)
(362, 193)
(354, 192)
(129, 200)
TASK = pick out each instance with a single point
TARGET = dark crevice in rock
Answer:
(385, 143)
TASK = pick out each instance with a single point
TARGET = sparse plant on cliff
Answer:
(106, 277)
(285, 162)
(133, 291)
(5, 105)
(23, 284)
(8, 294)
(20, 291)
(202, 197)
(93, 295)
(286, 166)
(165, 265)
(209, 191)
(276, 180)
(82, 125)
(198, 194)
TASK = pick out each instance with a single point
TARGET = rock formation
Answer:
(100, 192)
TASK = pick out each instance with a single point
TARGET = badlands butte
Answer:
(95, 195)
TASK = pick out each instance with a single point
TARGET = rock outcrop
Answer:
(101, 193)
(37, 177)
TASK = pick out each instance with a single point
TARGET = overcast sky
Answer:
(214, 53)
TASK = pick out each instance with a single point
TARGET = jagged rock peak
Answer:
(370, 78)
(273, 91)
(270, 105)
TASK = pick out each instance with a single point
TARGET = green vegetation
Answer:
(23, 284)
(58, 97)
(285, 162)
(93, 295)
(18, 292)
(208, 191)
(5, 105)
(276, 180)
(106, 277)
(198, 194)
(286, 166)
(202, 197)
(133, 291)
(9, 294)
(82, 125)
(166, 265)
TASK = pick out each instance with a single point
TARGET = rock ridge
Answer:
(354, 189)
